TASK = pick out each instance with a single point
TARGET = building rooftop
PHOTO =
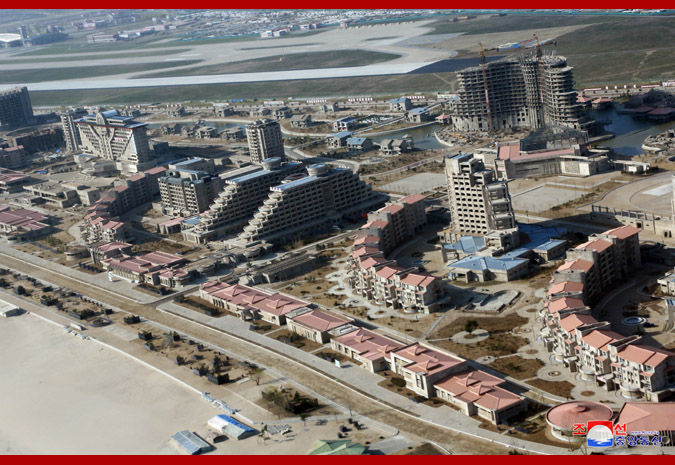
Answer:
(596, 244)
(576, 320)
(566, 415)
(645, 355)
(622, 232)
(467, 244)
(477, 263)
(423, 359)
(480, 388)
(293, 184)
(565, 303)
(579, 265)
(319, 320)
(368, 344)
(341, 135)
(565, 286)
(647, 416)
(600, 338)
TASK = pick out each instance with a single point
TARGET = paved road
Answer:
(355, 388)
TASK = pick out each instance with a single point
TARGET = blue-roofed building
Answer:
(481, 269)
(466, 245)
(230, 427)
(339, 139)
(418, 115)
(344, 124)
(551, 249)
(188, 442)
(359, 144)
(400, 104)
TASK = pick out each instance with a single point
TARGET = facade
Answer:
(187, 192)
(301, 121)
(15, 108)
(264, 140)
(222, 110)
(526, 92)
(422, 367)
(13, 158)
(113, 137)
(101, 251)
(53, 193)
(239, 200)
(156, 268)
(249, 303)
(23, 224)
(309, 205)
(337, 140)
(315, 325)
(584, 344)
(396, 146)
(344, 124)
(357, 145)
(71, 133)
(479, 203)
(368, 348)
(12, 181)
(36, 141)
(400, 104)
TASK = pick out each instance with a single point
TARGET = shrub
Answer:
(398, 382)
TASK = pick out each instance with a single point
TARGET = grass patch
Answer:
(294, 61)
(516, 22)
(57, 74)
(83, 47)
(490, 324)
(517, 367)
(495, 345)
(557, 388)
(425, 449)
(336, 87)
(98, 57)
(162, 246)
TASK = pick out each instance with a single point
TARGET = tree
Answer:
(20, 290)
(303, 417)
(470, 326)
(216, 364)
(255, 374)
(202, 370)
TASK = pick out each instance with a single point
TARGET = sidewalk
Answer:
(366, 382)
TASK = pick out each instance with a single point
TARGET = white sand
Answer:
(62, 395)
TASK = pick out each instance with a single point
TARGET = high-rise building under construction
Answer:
(529, 91)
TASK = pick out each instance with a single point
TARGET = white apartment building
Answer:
(479, 203)
(113, 137)
(239, 200)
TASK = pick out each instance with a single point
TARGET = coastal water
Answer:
(630, 132)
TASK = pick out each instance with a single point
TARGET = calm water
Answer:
(630, 133)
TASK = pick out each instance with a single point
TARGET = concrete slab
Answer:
(417, 183)
(544, 198)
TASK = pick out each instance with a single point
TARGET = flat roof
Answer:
(294, 184)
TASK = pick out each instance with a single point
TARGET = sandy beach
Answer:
(63, 395)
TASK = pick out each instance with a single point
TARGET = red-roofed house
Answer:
(644, 371)
(157, 268)
(368, 348)
(22, 224)
(250, 303)
(641, 416)
(422, 366)
(478, 393)
(315, 324)
(593, 352)
(103, 250)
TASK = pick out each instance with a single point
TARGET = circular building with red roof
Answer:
(563, 417)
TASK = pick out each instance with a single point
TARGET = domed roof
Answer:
(564, 416)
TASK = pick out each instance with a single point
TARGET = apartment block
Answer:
(314, 324)
(526, 92)
(110, 136)
(479, 203)
(239, 200)
(310, 205)
(187, 192)
(13, 158)
(22, 224)
(12, 181)
(264, 140)
(16, 109)
(372, 350)
(37, 141)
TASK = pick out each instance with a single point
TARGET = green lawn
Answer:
(338, 87)
(22, 76)
(80, 46)
(294, 61)
(78, 57)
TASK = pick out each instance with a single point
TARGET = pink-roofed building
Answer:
(475, 392)
(156, 268)
(23, 224)
(641, 371)
(250, 303)
(626, 248)
(12, 181)
(600, 253)
(593, 355)
(369, 348)
(104, 250)
(566, 289)
(423, 366)
(641, 416)
(315, 324)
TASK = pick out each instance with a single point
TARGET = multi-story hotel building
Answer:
(264, 140)
(113, 137)
(15, 108)
(71, 133)
(312, 204)
(479, 203)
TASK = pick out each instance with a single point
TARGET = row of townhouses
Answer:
(375, 277)
(588, 346)
(427, 371)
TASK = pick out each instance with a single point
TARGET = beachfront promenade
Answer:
(347, 386)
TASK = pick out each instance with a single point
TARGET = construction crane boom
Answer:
(485, 85)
